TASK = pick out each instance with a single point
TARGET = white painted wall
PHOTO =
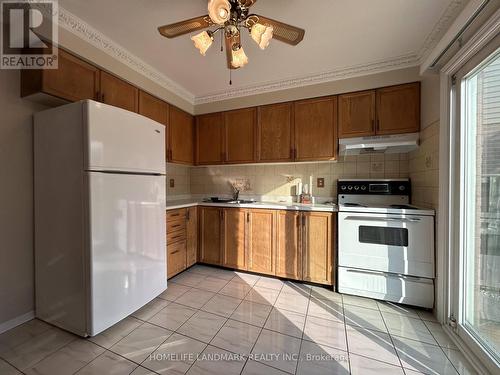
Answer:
(16, 199)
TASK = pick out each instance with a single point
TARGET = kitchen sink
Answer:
(241, 201)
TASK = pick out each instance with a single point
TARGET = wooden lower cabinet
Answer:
(210, 221)
(317, 260)
(289, 244)
(235, 233)
(261, 231)
(176, 258)
(191, 236)
(288, 259)
(182, 238)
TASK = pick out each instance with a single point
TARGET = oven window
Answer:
(383, 235)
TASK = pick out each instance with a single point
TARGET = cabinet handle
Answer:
(248, 217)
(298, 220)
(176, 214)
(102, 97)
(378, 125)
(373, 125)
(303, 220)
(175, 225)
(188, 216)
(175, 252)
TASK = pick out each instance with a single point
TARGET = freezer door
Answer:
(127, 257)
(119, 140)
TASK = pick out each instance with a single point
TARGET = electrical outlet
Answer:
(320, 182)
(172, 183)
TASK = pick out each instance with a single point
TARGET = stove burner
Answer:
(403, 207)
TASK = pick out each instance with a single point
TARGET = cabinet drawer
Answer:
(176, 215)
(173, 237)
(176, 258)
(176, 225)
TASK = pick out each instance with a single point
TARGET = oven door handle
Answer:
(388, 219)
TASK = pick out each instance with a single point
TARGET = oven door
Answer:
(400, 244)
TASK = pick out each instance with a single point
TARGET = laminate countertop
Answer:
(183, 203)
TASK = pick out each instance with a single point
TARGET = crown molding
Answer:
(84, 31)
(444, 23)
(401, 62)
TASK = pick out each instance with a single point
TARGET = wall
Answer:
(424, 162)
(279, 181)
(181, 176)
(366, 82)
(16, 199)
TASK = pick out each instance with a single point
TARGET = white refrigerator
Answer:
(100, 227)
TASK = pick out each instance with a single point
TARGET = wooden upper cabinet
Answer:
(398, 109)
(152, 107)
(316, 129)
(209, 132)
(240, 135)
(180, 137)
(210, 222)
(275, 133)
(234, 244)
(317, 242)
(288, 260)
(116, 92)
(357, 114)
(73, 80)
(261, 240)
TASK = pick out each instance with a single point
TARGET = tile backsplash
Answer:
(280, 180)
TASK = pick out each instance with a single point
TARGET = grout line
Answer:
(391, 338)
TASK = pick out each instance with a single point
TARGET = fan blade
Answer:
(185, 27)
(283, 32)
(229, 49)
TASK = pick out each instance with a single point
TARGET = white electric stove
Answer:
(386, 245)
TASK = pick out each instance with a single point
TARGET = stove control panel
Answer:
(375, 187)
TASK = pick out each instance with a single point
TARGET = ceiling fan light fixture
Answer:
(202, 41)
(262, 35)
(219, 11)
(239, 58)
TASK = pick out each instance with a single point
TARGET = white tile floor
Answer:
(214, 321)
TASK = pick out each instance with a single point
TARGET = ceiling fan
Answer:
(229, 17)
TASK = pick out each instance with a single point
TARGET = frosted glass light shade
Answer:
(262, 34)
(202, 41)
(239, 59)
(219, 11)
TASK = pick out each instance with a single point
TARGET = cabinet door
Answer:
(240, 135)
(398, 109)
(191, 236)
(209, 131)
(74, 79)
(288, 260)
(118, 93)
(210, 235)
(176, 258)
(274, 133)
(317, 247)
(181, 137)
(156, 109)
(261, 241)
(357, 114)
(234, 254)
(152, 107)
(316, 129)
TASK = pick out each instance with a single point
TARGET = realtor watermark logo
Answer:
(25, 26)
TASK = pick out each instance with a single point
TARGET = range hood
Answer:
(388, 144)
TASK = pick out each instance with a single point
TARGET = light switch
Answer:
(321, 182)
(172, 183)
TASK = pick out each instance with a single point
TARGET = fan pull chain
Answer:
(230, 76)
(221, 41)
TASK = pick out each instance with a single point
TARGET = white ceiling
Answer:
(340, 34)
